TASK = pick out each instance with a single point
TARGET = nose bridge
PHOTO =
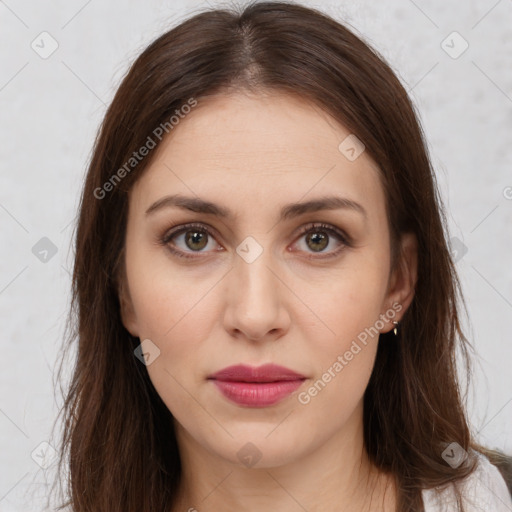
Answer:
(255, 304)
(256, 282)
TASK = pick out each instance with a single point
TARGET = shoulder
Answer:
(483, 490)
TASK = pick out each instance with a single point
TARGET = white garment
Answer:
(484, 490)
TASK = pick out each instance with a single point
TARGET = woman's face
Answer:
(263, 283)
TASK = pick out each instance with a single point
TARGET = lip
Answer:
(257, 386)
(264, 373)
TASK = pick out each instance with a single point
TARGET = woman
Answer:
(266, 305)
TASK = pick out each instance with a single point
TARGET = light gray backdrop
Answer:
(52, 103)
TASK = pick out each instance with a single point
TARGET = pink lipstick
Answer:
(257, 386)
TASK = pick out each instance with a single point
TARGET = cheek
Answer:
(174, 309)
(343, 360)
(178, 318)
(345, 338)
(167, 298)
(348, 301)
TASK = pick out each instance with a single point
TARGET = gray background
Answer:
(50, 111)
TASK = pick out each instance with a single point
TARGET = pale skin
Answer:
(296, 304)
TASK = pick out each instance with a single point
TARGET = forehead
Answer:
(253, 151)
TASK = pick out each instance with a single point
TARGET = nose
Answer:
(255, 307)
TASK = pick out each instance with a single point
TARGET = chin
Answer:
(260, 448)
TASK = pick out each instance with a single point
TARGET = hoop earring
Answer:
(395, 330)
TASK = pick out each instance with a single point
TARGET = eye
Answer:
(318, 237)
(196, 237)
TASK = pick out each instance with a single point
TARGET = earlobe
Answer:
(405, 275)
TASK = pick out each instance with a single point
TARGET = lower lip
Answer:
(257, 394)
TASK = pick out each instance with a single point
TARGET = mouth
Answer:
(256, 386)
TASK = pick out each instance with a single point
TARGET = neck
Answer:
(336, 475)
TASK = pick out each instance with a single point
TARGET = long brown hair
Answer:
(118, 446)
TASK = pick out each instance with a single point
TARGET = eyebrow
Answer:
(288, 211)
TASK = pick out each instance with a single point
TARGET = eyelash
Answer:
(169, 235)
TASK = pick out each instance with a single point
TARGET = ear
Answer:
(403, 279)
(128, 316)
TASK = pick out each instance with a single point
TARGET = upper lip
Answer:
(264, 373)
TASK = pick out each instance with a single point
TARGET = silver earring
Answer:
(395, 330)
